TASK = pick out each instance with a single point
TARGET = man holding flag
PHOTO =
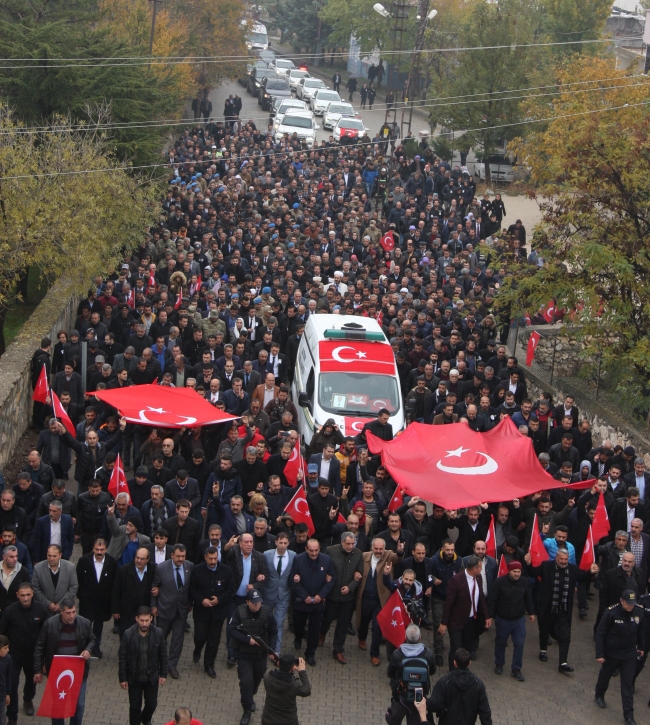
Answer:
(72, 638)
(40, 382)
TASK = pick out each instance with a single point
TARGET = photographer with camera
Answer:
(282, 688)
(410, 667)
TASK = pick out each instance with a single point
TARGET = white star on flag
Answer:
(361, 354)
(62, 695)
(156, 410)
(393, 623)
(458, 452)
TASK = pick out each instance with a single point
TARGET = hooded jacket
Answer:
(459, 698)
(282, 688)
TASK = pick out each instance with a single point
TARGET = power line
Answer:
(165, 123)
(196, 60)
(284, 153)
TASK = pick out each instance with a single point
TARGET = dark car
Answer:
(273, 87)
(258, 72)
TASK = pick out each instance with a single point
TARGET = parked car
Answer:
(334, 111)
(297, 121)
(295, 75)
(282, 66)
(255, 78)
(282, 105)
(501, 168)
(321, 100)
(308, 86)
(349, 128)
(272, 87)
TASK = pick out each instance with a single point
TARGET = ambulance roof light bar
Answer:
(354, 334)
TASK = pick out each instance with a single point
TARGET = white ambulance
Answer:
(346, 371)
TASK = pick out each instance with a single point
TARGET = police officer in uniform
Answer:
(258, 621)
(619, 641)
(644, 601)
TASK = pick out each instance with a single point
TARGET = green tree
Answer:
(591, 165)
(482, 76)
(300, 22)
(44, 87)
(64, 207)
(574, 20)
(357, 16)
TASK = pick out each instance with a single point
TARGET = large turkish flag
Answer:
(453, 466)
(354, 356)
(164, 407)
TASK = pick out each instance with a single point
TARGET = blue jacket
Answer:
(551, 547)
(444, 571)
(222, 515)
(235, 405)
(313, 581)
(41, 537)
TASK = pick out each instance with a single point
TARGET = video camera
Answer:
(416, 610)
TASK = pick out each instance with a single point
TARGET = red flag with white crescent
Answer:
(491, 540)
(503, 566)
(548, 311)
(388, 243)
(298, 509)
(397, 500)
(42, 389)
(64, 682)
(341, 519)
(61, 413)
(118, 484)
(394, 619)
(588, 557)
(179, 301)
(600, 524)
(533, 341)
(537, 550)
(294, 466)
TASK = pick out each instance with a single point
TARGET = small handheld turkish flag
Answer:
(64, 682)
(397, 500)
(294, 466)
(588, 557)
(117, 484)
(394, 619)
(548, 311)
(298, 509)
(533, 340)
(491, 540)
(341, 519)
(537, 550)
(600, 524)
(61, 414)
(42, 389)
(388, 243)
(503, 566)
(179, 301)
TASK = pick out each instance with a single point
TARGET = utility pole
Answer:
(413, 82)
(392, 81)
(153, 25)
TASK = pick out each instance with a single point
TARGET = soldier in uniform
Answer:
(258, 621)
(619, 641)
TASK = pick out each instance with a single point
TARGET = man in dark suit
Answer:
(472, 527)
(160, 550)
(214, 394)
(251, 378)
(212, 586)
(183, 529)
(170, 599)
(639, 544)
(329, 467)
(96, 574)
(490, 566)
(132, 589)
(70, 382)
(465, 611)
(639, 478)
(616, 580)
(309, 595)
(278, 363)
(55, 528)
(567, 409)
(555, 602)
(625, 510)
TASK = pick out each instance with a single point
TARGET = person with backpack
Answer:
(410, 667)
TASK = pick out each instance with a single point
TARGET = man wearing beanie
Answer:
(509, 600)
(125, 538)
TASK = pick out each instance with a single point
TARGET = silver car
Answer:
(282, 105)
(295, 76)
(282, 66)
(336, 110)
(308, 87)
(321, 100)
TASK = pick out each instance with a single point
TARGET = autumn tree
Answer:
(590, 164)
(65, 205)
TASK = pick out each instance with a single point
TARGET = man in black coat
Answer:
(130, 592)
(555, 602)
(96, 574)
(623, 509)
(40, 360)
(183, 529)
(91, 453)
(156, 666)
(472, 526)
(212, 586)
(28, 495)
(615, 581)
(323, 508)
(252, 473)
(380, 428)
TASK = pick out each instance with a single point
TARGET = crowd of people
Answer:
(254, 237)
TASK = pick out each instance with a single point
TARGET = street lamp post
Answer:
(413, 82)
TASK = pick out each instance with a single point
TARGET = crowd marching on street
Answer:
(254, 238)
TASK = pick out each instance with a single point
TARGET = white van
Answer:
(346, 371)
(257, 38)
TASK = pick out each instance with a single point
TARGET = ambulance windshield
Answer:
(358, 393)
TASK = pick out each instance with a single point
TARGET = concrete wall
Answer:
(56, 312)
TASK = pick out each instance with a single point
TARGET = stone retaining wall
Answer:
(56, 312)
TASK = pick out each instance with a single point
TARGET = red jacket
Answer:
(458, 603)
